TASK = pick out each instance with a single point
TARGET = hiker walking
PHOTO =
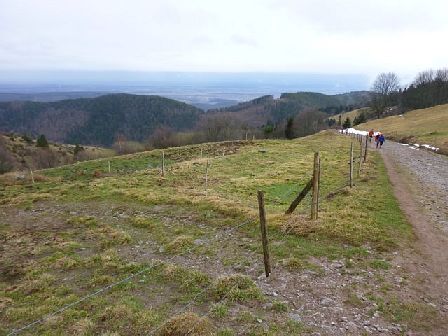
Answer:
(381, 140)
(371, 135)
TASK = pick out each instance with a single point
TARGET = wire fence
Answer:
(222, 236)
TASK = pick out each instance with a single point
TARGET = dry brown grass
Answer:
(187, 324)
(422, 126)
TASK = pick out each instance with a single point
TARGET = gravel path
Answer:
(420, 183)
(431, 172)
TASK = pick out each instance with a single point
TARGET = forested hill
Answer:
(267, 109)
(98, 120)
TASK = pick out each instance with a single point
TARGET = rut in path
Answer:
(420, 183)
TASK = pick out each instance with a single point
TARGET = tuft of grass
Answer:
(225, 332)
(416, 315)
(190, 281)
(379, 264)
(187, 324)
(219, 310)
(236, 287)
(143, 222)
(280, 306)
(180, 244)
(87, 221)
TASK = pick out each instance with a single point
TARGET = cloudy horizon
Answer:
(328, 37)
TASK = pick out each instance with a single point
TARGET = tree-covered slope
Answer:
(97, 120)
(259, 111)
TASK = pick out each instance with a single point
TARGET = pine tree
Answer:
(289, 131)
(361, 118)
(347, 123)
(42, 141)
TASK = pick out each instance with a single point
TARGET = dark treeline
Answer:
(387, 97)
(429, 88)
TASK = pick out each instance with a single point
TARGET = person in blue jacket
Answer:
(381, 140)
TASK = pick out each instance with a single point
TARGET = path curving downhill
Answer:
(420, 183)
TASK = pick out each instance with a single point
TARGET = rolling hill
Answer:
(101, 120)
(97, 120)
(423, 126)
(258, 112)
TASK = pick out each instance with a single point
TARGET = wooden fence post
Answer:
(299, 197)
(206, 178)
(108, 166)
(365, 150)
(315, 199)
(351, 166)
(32, 175)
(201, 152)
(318, 187)
(360, 158)
(264, 238)
(163, 163)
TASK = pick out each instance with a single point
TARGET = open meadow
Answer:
(131, 252)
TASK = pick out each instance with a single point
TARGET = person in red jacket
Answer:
(370, 135)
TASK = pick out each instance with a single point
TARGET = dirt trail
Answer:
(420, 183)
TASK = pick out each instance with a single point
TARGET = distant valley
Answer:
(101, 120)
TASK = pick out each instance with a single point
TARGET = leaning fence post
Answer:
(315, 199)
(351, 166)
(365, 150)
(264, 237)
(299, 197)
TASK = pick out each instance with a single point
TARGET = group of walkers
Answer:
(378, 136)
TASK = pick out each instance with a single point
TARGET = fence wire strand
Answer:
(17, 331)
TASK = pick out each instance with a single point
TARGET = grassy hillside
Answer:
(352, 115)
(425, 126)
(21, 153)
(194, 254)
(97, 120)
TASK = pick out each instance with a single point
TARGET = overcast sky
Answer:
(318, 36)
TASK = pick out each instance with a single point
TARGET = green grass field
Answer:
(352, 115)
(80, 228)
(425, 126)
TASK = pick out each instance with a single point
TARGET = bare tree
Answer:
(219, 127)
(44, 158)
(162, 137)
(309, 122)
(383, 87)
(424, 77)
(442, 75)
